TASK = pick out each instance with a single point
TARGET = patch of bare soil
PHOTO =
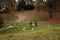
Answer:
(23, 16)
(55, 19)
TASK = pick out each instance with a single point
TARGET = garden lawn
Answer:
(41, 32)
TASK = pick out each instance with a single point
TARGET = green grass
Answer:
(41, 32)
(19, 26)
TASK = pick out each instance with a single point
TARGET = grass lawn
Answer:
(23, 31)
(41, 32)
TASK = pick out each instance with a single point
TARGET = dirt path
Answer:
(21, 18)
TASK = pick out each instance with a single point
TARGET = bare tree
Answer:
(1, 22)
(38, 5)
(51, 7)
(10, 4)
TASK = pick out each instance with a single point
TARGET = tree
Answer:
(38, 5)
(51, 7)
(21, 5)
(1, 22)
(10, 5)
(29, 5)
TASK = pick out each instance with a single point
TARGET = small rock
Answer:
(32, 29)
(24, 29)
(48, 25)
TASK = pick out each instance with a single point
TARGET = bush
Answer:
(29, 7)
(24, 7)
(20, 6)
